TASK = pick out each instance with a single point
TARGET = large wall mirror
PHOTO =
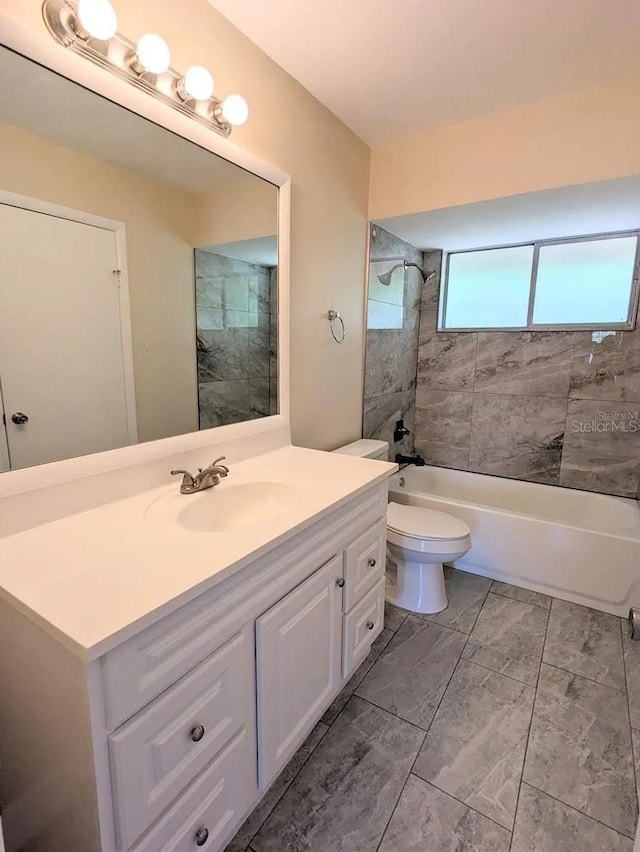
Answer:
(138, 277)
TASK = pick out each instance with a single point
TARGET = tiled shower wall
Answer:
(561, 408)
(236, 339)
(391, 353)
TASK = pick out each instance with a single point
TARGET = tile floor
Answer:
(503, 724)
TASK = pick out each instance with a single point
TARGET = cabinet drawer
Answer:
(210, 811)
(361, 626)
(162, 749)
(364, 563)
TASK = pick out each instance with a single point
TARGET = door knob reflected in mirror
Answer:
(19, 418)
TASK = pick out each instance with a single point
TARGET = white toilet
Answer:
(419, 541)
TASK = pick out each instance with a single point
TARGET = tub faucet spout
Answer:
(414, 459)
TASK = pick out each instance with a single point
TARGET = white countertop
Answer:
(95, 578)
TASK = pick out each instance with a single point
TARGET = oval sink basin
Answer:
(228, 507)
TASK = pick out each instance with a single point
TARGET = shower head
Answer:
(385, 278)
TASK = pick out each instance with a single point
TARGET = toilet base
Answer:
(416, 586)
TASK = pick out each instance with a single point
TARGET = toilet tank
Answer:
(366, 448)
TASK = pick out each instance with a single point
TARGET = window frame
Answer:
(632, 313)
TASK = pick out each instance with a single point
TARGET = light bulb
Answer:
(198, 83)
(153, 53)
(98, 18)
(235, 110)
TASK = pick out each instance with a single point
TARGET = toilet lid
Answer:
(419, 522)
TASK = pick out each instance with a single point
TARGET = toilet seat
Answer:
(416, 522)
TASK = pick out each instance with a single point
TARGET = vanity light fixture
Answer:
(196, 85)
(98, 18)
(89, 28)
(152, 54)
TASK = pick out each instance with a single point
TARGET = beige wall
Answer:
(589, 136)
(158, 223)
(244, 209)
(329, 166)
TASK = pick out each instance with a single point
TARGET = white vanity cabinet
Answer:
(298, 665)
(166, 741)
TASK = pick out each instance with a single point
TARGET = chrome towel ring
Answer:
(333, 317)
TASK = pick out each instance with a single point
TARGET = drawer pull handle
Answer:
(370, 625)
(340, 582)
(197, 733)
(372, 563)
(202, 835)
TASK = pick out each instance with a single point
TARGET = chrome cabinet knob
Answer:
(372, 563)
(370, 625)
(19, 418)
(202, 835)
(340, 582)
(197, 733)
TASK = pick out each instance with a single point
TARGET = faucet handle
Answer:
(187, 478)
(216, 463)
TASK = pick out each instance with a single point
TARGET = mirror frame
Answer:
(39, 47)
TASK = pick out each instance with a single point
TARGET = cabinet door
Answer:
(298, 654)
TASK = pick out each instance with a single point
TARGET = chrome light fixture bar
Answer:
(89, 28)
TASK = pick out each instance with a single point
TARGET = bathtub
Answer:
(575, 545)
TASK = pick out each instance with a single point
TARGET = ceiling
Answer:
(389, 68)
(261, 250)
(45, 103)
(589, 208)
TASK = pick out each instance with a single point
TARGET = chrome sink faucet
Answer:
(205, 477)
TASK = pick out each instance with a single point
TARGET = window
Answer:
(579, 283)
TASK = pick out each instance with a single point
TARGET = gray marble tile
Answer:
(586, 642)
(631, 650)
(580, 748)
(379, 644)
(259, 398)
(260, 292)
(446, 361)
(235, 296)
(606, 365)
(546, 825)
(410, 365)
(517, 436)
(535, 363)
(466, 593)
(635, 740)
(409, 417)
(256, 819)
(384, 362)
(209, 292)
(394, 616)
(346, 792)
(380, 416)
(443, 426)
(412, 673)
(519, 594)
(431, 262)
(223, 355)
(428, 819)
(602, 447)
(209, 319)
(476, 744)
(385, 245)
(222, 403)
(259, 352)
(508, 637)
